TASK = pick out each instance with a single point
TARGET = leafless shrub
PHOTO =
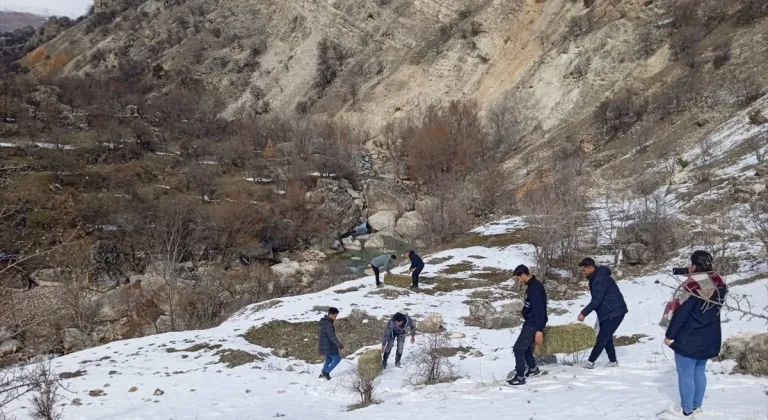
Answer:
(757, 145)
(758, 221)
(331, 56)
(654, 224)
(704, 176)
(446, 214)
(705, 146)
(682, 44)
(503, 123)
(648, 40)
(756, 117)
(722, 54)
(490, 194)
(361, 384)
(46, 396)
(613, 215)
(38, 380)
(431, 365)
(746, 90)
(677, 95)
(580, 25)
(617, 115)
(752, 10)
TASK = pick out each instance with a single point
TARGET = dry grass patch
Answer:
(234, 358)
(628, 340)
(299, 339)
(459, 268)
(195, 348)
(389, 293)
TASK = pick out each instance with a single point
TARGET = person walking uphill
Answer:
(535, 316)
(396, 327)
(327, 343)
(608, 302)
(416, 266)
(382, 262)
(694, 331)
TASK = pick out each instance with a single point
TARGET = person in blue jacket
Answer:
(395, 331)
(608, 302)
(416, 266)
(535, 316)
(695, 334)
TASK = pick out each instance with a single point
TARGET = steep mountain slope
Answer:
(179, 375)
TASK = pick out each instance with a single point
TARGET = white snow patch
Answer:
(500, 227)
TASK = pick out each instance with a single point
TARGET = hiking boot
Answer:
(612, 364)
(589, 365)
(516, 381)
(533, 372)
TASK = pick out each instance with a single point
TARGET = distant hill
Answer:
(14, 20)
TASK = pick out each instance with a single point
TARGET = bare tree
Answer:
(38, 380)
(47, 395)
(171, 234)
(757, 144)
(613, 215)
(432, 365)
(758, 222)
(447, 210)
(503, 123)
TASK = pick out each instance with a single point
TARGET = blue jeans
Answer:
(331, 360)
(692, 381)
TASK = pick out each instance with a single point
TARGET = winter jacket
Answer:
(535, 305)
(393, 330)
(327, 343)
(695, 327)
(607, 300)
(416, 261)
(382, 262)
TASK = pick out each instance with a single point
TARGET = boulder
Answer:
(73, 340)
(351, 244)
(286, 269)
(515, 307)
(376, 241)
(636, 253)
(761, 171)
(383, 195)
(484, 315)
(383, 221)
(335, 206)
(754, 360)
(431, 324)
(425, 205)
(261, 252)
(410, 225)
(753, 189)
(49, 275)
(680, 178)
(9, 347)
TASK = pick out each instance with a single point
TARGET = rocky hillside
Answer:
(16, 20)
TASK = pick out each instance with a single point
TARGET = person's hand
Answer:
(667, 341)
(413, 339)
(580, 317)
(539, 338)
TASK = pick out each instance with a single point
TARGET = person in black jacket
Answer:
(608, 302)
(695, 334)
(416, 266)
(535, 316)
(327, 343)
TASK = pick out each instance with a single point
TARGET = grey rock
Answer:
(636, 253)
(387, 195)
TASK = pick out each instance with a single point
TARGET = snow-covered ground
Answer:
(196, 387)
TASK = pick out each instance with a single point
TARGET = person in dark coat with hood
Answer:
(416, 266)
(608, 303)
(327, 343)
(694, 333)
(395, 331)
(532, 332)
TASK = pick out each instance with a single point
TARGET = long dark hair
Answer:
(703, 261)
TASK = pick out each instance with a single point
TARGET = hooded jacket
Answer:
(392, 331)
(607, 300)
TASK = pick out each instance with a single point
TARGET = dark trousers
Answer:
(399, 353)
(376, 273)
(415, 276)
(605, 339)
(523, 350)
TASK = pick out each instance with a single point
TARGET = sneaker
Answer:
(516, 381)
(589, 365)
(678, 412)
(397, 365)
(327, 376)
(533, 372)
(321, 376)
(612, 365)
(697, 413)
(384, 364)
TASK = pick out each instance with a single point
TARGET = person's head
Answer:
(333, 313)
(522, 273)
(399, 319)
(587, 266)
(407, 253)
(701, 262)
(393, 256)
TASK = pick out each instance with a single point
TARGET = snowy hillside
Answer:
(195, 386)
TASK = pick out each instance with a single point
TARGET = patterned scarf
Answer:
(701, 284)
